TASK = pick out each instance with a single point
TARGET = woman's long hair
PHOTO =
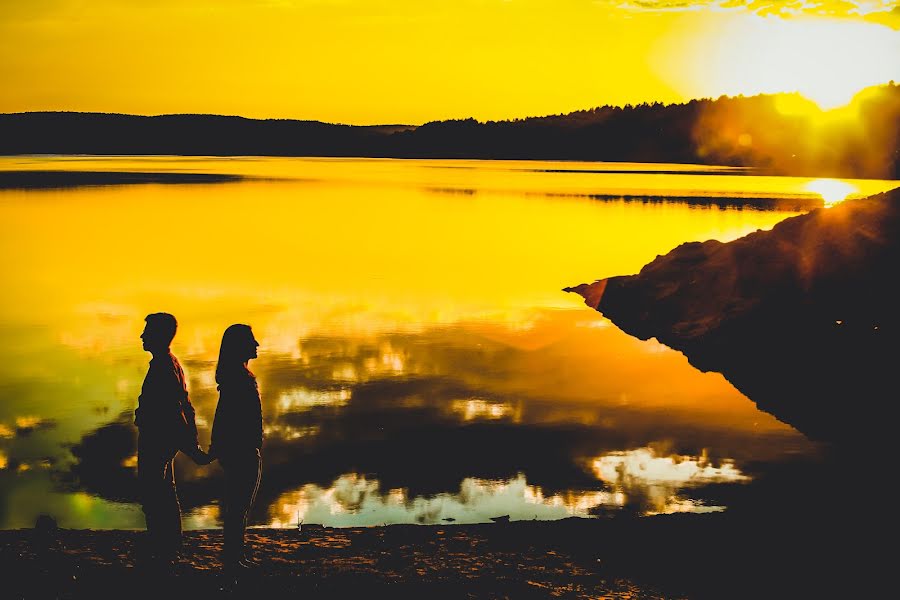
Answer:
(233, 352)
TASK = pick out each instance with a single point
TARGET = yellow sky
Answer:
(411, 61)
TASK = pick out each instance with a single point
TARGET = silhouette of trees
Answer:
(740, 131)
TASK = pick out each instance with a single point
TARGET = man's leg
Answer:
(151, 469)
(171, 512)
(158, 498)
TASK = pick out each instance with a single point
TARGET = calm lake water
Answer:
(419, 361)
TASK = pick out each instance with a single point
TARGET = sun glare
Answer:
(830, 98)
(827, 61)
(831, 92)
(832, 191)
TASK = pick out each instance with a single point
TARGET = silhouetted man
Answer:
(165, 421)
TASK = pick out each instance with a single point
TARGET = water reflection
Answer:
(23, 425)
(559, 404)
(476, 408)
(832, 191)
(653, 480)
(417, 349)
(562, 417)
(354, 500)
(305, 399)
(638, 479)
(464, 177)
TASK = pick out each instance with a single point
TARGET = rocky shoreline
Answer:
(802, 319)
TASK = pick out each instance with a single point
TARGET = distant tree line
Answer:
(757, 131)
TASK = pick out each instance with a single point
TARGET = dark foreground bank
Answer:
(679, 556)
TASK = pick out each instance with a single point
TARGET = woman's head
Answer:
(238, 346)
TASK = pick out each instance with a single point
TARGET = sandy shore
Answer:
(679, 556)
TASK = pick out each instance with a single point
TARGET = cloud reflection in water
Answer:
(654, 480)
(354, 500)
(640, 477)
(561, 418)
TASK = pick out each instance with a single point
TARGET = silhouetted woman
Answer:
(237, 437)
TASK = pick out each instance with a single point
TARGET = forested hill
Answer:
(783, 134)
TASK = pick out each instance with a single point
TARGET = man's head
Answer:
(158, 332)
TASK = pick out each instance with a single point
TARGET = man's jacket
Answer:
(164, 410)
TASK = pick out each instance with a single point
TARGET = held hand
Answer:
(200, 457)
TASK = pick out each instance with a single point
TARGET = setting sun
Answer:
(827, 61)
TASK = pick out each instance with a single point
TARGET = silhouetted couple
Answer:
(166, 425)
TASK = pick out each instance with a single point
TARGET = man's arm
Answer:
(191, 445)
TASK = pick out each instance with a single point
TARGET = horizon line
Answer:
(507, 120)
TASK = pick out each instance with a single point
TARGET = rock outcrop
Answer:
(802, 319)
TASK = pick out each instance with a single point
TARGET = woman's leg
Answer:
(242, 475)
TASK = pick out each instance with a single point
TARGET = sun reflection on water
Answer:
(833, 191)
